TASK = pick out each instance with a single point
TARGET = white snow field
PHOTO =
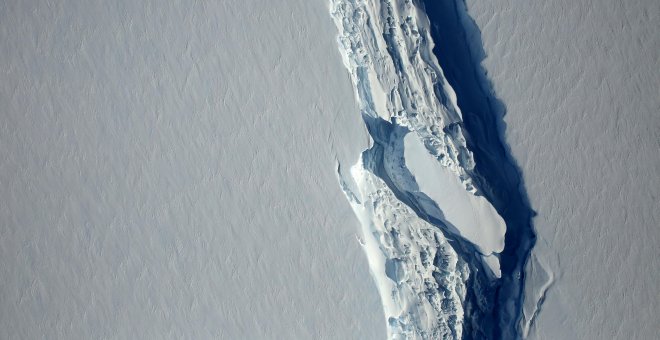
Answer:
(581, 85)
(167, 171)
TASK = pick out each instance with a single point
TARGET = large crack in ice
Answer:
(419, 275)
(418, 171)
(431, 234)
(460, 56)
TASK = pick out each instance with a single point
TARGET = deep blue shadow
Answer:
(459, 49)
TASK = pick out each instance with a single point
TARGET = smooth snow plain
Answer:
(580, 83)
(167, 170)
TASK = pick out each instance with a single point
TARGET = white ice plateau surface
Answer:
(167, 172)
(581, 85)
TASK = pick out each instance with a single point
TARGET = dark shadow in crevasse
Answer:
(459, 50)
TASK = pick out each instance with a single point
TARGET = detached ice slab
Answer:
(473, 216)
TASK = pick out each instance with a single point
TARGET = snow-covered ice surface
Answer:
(581, 84)
(418, 186)
(167, 171)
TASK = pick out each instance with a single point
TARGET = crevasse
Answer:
(431, 238)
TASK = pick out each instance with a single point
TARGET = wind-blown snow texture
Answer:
(419, 174)
(581, 84)
(167, 172)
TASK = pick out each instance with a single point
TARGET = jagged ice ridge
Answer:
(431, 238)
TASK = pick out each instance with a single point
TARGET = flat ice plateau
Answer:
(167, 172)
(581, 84)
